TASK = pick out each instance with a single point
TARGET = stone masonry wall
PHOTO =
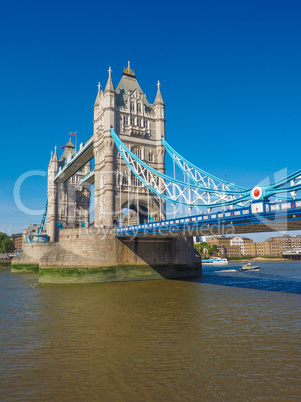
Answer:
(88, 255)
(85, 248)
(33, 252)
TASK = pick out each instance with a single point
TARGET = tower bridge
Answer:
(132, 236)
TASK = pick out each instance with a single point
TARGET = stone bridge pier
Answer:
(96, 255)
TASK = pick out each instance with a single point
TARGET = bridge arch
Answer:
(135, 211)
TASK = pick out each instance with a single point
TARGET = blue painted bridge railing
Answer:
(258, 217)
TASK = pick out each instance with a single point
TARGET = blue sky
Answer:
(229, 73)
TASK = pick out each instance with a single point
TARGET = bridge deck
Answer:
(259, 217)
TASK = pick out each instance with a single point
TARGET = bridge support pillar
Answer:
(90, 255)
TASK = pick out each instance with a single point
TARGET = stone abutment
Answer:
(96, 255)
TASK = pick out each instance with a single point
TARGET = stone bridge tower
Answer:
(68, 202)
(140, 125)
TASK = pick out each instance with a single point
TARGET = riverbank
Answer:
(257, 259)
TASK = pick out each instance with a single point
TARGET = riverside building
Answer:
(17, 239)
(237, 246)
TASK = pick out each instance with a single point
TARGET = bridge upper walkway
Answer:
(77, 161)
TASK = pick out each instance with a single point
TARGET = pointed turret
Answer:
(55, 161)
(97, 100)
(68, 149)
(109, 86)
(55, 158)
(160, 128)
(159, 99)
(51, 156)
(52, 197)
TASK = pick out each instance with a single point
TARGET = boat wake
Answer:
(226, 270)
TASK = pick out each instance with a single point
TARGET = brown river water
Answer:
(229, 336)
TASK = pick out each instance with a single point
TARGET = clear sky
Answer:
(229, 73)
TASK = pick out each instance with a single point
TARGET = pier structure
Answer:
(294, 254)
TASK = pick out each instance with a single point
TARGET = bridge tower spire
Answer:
(110, 86)
(159, 109)
(52, 196)
(104, 119)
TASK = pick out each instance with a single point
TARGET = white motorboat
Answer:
(215, 261)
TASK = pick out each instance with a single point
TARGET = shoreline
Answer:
(258, 259)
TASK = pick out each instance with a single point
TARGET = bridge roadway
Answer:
(258, 217)
(78, 160)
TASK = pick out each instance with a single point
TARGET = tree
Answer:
(213, 249)
(205, 247)
(6, 245)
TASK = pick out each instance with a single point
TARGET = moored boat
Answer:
(215, 261)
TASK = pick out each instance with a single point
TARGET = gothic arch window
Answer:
(119, 177)
(125, 120)
(132, 121)
(124, 179)
(145, 123)
(138, 107)
(137, 151)
(132, 106)
(151, 157)
(135, 181)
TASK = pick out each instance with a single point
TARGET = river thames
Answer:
(226, 336)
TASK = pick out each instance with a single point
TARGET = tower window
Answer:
(137, 152)
(135, 181)
(145, 123)
(138, 107)
(125, 120)
(151, 157)
(132, 121)
(132, 107)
